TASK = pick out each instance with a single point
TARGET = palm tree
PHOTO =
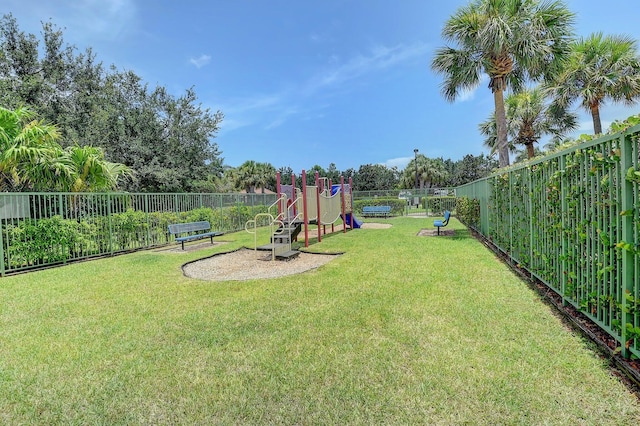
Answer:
(510, 41)
(32, 159)
(27, 149)
(489, 131)
(90, 170)
(529, 117)
(248, 176)
(599, 68)
(266, 174)
(430, 172)
(555, 143)
(524, 154)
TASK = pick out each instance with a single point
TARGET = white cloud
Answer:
(400, 162)
(87, 19)
(470, 94)
(229, 124)
(258, 102)
(200, 61)
(243, 112)
(282, 118)
(467, 95)
(109, 18)
(380, 57)
(273, 110)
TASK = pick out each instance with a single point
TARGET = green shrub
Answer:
(159, 226)
(35, 242)
(51, 240)
(236, 217)
(199, 215)
(437, 205)
(129, 229)
(468, 211)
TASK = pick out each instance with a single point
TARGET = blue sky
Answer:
(305, 82)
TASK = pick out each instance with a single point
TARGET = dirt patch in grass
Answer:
(434, 233)
(373, 225)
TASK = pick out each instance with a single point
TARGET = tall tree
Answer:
(166, 139)
(266, 176)
(471, 168)
(90, 170)
(248, 176)
(32, 159)
(529, 117)
(430, 172)
(373, 177)
(27, 147)
(510, 41)
(600, 68)
(333, 173)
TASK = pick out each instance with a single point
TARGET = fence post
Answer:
(146, 209)
(628, 257)
(109, 213)
(2, 266)
(510, 189)
(563, 215)
(530, 214)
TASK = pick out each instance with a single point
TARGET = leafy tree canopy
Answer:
(166, 140)
(31, 159)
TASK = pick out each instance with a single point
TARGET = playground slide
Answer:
(356, 223)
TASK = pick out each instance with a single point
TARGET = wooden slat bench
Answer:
(190, 228)
(376, 211)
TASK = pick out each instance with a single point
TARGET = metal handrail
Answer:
(255, 230)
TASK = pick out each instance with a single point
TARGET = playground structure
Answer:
(295, 209)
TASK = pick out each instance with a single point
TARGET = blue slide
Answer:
(356, 223)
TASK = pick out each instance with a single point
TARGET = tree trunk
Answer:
(501, 128)
(595, 115)
(530, 151)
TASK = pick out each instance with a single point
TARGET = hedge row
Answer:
(44, 241)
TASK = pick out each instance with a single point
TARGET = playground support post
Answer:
(318, 214)
(304, 208)
(344, 225)
(352, 220)
(330, 192)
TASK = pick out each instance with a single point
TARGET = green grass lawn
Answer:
(400, 329)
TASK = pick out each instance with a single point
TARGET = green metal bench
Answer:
(377, 211)
(442, 223)
(190, 228)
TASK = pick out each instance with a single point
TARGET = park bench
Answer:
(376, 211)
(190, 228)
(442, 223)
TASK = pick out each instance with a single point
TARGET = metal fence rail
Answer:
(41, 229)
(573, 221)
